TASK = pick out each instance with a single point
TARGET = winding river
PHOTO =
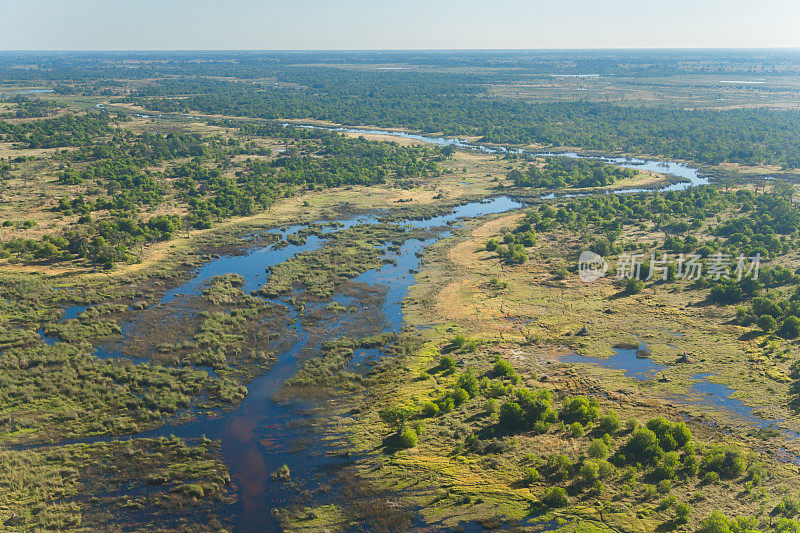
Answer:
(261, 434)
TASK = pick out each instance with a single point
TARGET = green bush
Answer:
(555, 497)
(716, 522)
(460, 396)
(408, 438)
(559, 467)
(589, 471)
(609, 423)
(468, 382)
(580, 409)
(491, 406)
(682, 512)
(725, 462)
(767, 323)
(447, 364)
(597, 449)
(642, 447)
(430, 409)
(511, 416)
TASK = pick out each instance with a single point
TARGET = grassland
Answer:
(468, 309)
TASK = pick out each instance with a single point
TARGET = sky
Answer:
(395, 24)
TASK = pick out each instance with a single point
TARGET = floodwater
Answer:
(260, 435)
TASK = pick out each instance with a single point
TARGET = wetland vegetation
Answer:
(225, 306)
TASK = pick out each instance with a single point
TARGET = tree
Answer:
(395, 417)
(511, 416)
(767, 323)
(790, 329)
(555, 497)
(715, 523)
(634, 286)
(408, 438)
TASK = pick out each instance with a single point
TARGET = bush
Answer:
(511, 416)
(580, 409)
(597, 449)
(430, 409)
(468, 382)
(767, 323)
(447, 364)
(725, 462)
(715, 523)
(590, 471)
(408, 438)
(634, 286)
(790, 329)
(395, 417)
(682, 511)
(559, 467)
(555, 497)
(503, 368)
(531, 476)
(491, 406)
(606, 469)
(575, 430)
(460, 396)
(643, 447)
(609, 423)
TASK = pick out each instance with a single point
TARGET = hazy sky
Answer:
(397, 24)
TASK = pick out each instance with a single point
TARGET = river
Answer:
(259, 435)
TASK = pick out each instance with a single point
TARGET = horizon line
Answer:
(350, 50)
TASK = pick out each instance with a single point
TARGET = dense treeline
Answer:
(69, 130)
(742, 229)
(27, 108)
(102, 69)
(748, 136)
(559, 172)
(201, 174)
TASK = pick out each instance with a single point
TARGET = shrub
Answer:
(597, 449)
(634, 286)
(531, 476)
(790, 329)
(575, 430)
(430, 409)
(767, 323)
(609, 423)
(503, 368)
(670, 436)
(468, 382)
(446, 405)
(458, 341)
(408, 438)
(447, 364)
(555, 497)
(511, 416)
(460, 396)
(590, 472)
(559, 467)
(580, 409)
(395, 417)
(491, 406)
(605, 469)
(725, 462)
(643, 446)
(682, 511)
(716, 522)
